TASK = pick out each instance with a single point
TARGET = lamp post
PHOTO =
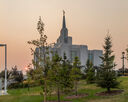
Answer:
(5, 80)
(123, 53)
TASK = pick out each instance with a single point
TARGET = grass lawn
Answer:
(22, 95)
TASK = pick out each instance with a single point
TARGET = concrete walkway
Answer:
(3, 93)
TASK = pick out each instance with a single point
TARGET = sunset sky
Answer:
(87, 22)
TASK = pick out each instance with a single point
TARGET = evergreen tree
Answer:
(89, 72)
(59, 74)
(67, 82)
(16, 74)
(2, 74)
(107, 77)
(76, 73)
(55, 74)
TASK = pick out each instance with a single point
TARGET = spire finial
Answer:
(63, 13)
(64, 23)
(64, 30)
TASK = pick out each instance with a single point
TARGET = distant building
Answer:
(64, 45)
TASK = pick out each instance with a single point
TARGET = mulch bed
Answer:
(111, 93)
(60, 101)
(78, 96)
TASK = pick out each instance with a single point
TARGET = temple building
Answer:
(64, 45)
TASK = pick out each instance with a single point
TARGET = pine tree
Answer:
(106, 76)
(59, 74)
(89, 72)
(55, 74)
(67, 82)
(76, 73)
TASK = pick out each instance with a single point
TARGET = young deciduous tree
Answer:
(41, 55)
(30, 72)
(29, 79)
(76, 73)
(107, 77)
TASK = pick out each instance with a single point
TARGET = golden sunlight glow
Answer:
(87, 22)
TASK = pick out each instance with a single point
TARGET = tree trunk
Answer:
(108, 89)
(58, 94)
(28, 87)
(45, 91)
(76, 88)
